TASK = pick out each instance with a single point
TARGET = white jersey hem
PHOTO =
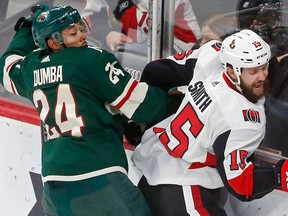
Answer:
(84, 176)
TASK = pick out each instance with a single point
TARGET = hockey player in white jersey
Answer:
(209, 142)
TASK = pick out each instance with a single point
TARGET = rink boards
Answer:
(20, 167)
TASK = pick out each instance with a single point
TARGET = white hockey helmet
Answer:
(244, 49)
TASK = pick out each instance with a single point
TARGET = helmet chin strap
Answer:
(237, 83)
(237, 72)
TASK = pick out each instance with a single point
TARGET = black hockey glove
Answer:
(27, 22)
(132, 132)
(122, 7)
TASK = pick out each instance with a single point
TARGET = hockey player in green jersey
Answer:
(79, 91)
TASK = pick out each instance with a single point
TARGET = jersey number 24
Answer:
(64, 112)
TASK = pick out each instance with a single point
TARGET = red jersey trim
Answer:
(127, 96)
(230, 85)
(196, 195)
(243, 184)
(210, 161)
(182, 30)
(129, 22)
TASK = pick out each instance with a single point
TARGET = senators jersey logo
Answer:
(251, 115)
(217, 46)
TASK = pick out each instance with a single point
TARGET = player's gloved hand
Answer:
(132, 132)
(178, 94)
(122, 7)
(27, 22)
(282, 174)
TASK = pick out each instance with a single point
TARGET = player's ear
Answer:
(53, 45)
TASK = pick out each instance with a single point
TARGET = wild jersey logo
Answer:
(251, 115)
(114, 73)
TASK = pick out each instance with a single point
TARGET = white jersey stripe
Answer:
(132, 96)
(190, 207)
(84, 176)
(136, 98)
(7, 82)
(124, 93)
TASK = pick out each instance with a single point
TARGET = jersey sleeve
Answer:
(242, 179)
(170, 72)
(134, 99)
(186, 25)
(10, 62)
(179, 69)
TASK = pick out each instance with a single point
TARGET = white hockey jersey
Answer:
(209, 139)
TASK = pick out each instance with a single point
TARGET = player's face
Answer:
(74, 36)
(254, 82)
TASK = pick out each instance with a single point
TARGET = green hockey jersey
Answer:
(79, 93)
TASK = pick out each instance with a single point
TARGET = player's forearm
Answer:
(156, 106)
(257, 183)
